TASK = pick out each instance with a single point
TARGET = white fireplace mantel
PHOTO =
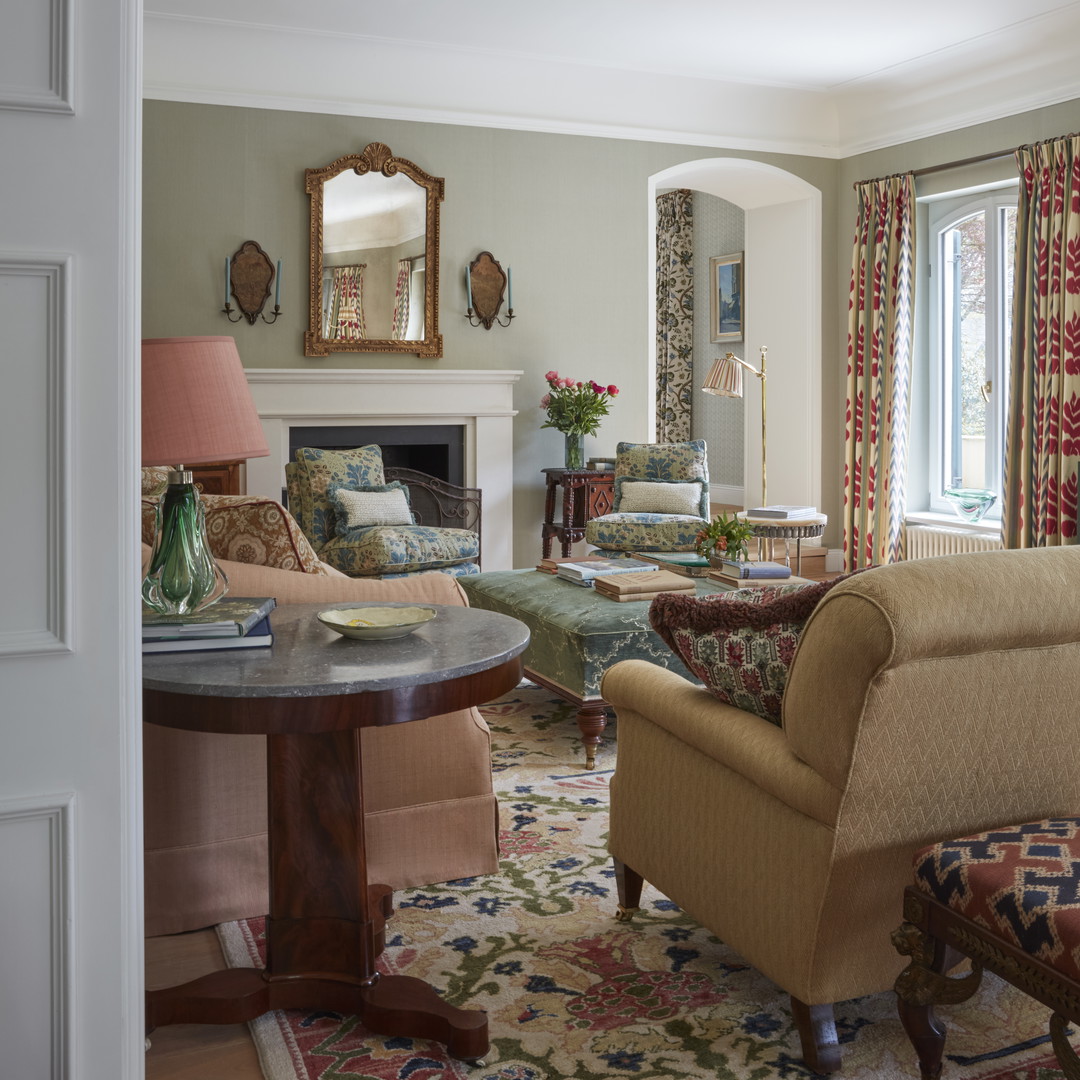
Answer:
(481, 402)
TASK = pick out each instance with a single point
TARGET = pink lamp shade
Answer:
(726, 378)
(196, 403)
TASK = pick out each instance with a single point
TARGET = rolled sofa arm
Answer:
(754, 748)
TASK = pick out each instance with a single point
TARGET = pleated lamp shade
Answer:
(196, 403)
(725, 379)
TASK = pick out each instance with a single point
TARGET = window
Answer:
(971, 242)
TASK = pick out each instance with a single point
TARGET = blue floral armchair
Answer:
(661, 498)
(360, 520)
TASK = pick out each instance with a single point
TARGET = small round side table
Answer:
(800, 529)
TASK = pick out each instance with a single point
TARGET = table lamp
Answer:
(196, 407)
(725, 379)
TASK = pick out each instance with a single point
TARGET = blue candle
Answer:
(277, 288)
(227, 282)
(510, 288)
(468, 284)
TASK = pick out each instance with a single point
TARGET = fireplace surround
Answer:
(479, 402)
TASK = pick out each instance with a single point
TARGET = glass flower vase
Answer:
(574, 451)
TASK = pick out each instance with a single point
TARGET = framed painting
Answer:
(726, 300)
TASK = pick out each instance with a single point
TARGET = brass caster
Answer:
(625, 914)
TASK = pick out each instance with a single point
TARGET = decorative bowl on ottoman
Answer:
(970, 504)
(367, 623)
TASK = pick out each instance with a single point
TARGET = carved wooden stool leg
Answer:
(629, 883)
(817, 1033)
(920, 986)
(1066, 1055)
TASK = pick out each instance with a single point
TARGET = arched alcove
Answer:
(782, 310)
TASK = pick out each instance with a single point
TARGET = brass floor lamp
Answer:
(726, 380)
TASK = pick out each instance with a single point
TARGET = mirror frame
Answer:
(376, 157)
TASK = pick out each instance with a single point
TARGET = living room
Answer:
(567, 204)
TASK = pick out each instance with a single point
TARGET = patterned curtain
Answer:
(401, 300)
(345, 310)
(1042, 457)
(674, 314)
(882, 295)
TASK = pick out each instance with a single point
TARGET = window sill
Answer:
(986, 527)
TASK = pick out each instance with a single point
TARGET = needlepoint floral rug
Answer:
(571, 993)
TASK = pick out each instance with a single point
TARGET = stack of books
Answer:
(742, 574)
(237, 622)
(586, 571)
(689, 563)
(550, 566)
(646, 585)
(782, 512)
(601, 464)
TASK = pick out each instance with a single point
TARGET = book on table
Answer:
(762, 569)
(259, 636)
(623, 598)
(234, 616)
(688, 563)
(649, 581)
(550, 565)
(781, 511)
(586, 571)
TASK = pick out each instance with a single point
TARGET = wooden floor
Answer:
(194, 1051)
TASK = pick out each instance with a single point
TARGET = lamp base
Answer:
(183, 576)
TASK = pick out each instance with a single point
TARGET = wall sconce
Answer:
(485, 282)
(247, 277)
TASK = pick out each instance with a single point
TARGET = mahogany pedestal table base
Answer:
(309, 694)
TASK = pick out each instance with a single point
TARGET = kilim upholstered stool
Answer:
(1008, 899)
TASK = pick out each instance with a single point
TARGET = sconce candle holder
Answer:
(486, 283)
(248, 275)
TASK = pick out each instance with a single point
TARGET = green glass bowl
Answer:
(970, 504)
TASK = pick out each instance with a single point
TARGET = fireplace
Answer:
(414, 408)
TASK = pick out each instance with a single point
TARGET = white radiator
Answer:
(925, 541)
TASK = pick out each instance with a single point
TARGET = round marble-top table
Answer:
(310, 693)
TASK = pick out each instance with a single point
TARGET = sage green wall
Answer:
(567, 212)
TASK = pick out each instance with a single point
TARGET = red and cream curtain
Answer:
(674, 314)
(345, 310)
(880, 332)
(1042, 457)
(401, 300)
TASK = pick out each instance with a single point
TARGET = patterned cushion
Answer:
(314, 471)
(663, 461)
(387, 504)
(644, 532)
(248, 529)
(1019, 882)
(155, 479)
(740, 644)
(399, 549)
(635, 495)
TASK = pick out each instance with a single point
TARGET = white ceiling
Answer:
(830, 79)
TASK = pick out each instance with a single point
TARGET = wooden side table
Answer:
(585, 495)
(309, 694)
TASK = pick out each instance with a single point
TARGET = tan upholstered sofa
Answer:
(927, 700)
(431, 814)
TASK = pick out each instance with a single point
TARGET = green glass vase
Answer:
(183, 575)
(574, 451)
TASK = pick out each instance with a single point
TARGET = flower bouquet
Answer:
(725, 537)
(575, 409)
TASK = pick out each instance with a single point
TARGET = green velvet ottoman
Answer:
(576, 635)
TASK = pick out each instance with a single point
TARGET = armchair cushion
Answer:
(314, 470)
(633, 494)
(400, 549)
(740, 644)
(385, 504)
(644, 532)
(662, 461)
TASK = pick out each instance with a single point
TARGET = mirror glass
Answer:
(374, 256)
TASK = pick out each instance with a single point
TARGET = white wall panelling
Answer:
(34, 418)
(36, 57)
(35, 998)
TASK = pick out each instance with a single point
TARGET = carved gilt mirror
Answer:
(374, 256)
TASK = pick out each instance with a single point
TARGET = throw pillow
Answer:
(385, 504)
(662, 461)
(637, 496)
(740, 644)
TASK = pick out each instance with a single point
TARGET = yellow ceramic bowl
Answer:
(373, 623)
